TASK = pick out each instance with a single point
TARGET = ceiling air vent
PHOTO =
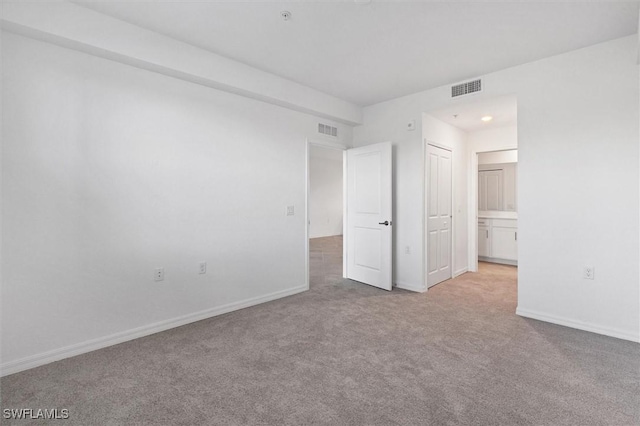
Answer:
(466, 88)
(325, 129)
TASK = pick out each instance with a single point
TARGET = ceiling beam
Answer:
(85, 30)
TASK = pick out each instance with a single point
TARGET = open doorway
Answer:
(469, 126)
(349, 214)
(325, 214)
(498, 207)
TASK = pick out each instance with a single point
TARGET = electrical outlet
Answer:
(203, 267)
(158, 274)
(290, 210)
(588, 273)
(407, 250)
(411, 125)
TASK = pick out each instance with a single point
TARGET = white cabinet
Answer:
(484, 249)
(505, 243)
(498, 240)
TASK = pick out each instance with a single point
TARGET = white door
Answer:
(369, 222)
(438, 197)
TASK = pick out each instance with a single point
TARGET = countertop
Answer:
(497, 215)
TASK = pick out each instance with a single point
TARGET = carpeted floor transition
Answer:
(345, 353)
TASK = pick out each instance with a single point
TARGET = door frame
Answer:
(338, 147)
(472, 201)
(425, 233)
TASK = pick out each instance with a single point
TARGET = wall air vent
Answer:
(466, 88)
(325, 129)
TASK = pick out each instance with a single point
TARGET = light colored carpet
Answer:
(348, 354)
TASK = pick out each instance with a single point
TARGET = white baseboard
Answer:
(410, 287)
(32, 361)
(460, 272)
(580, 325)
(497, 260)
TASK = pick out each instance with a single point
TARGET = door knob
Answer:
(385, 223)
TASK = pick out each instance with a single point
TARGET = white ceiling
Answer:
(467, 115)
(367, 53)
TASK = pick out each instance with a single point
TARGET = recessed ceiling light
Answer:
(486, 118)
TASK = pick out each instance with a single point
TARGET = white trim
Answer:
(344, 215)
(498, 260)
(32, 361)
(410, 287)
(460, 272)
(439, 145)
(306, 216)
(423, 200)
(580, 325)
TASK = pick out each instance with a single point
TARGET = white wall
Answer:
(498, 157)
(578, 169)
(578, 133)
(325, 192)
(71, 25)
(494, 139)
(443, 134)
(110, 171)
